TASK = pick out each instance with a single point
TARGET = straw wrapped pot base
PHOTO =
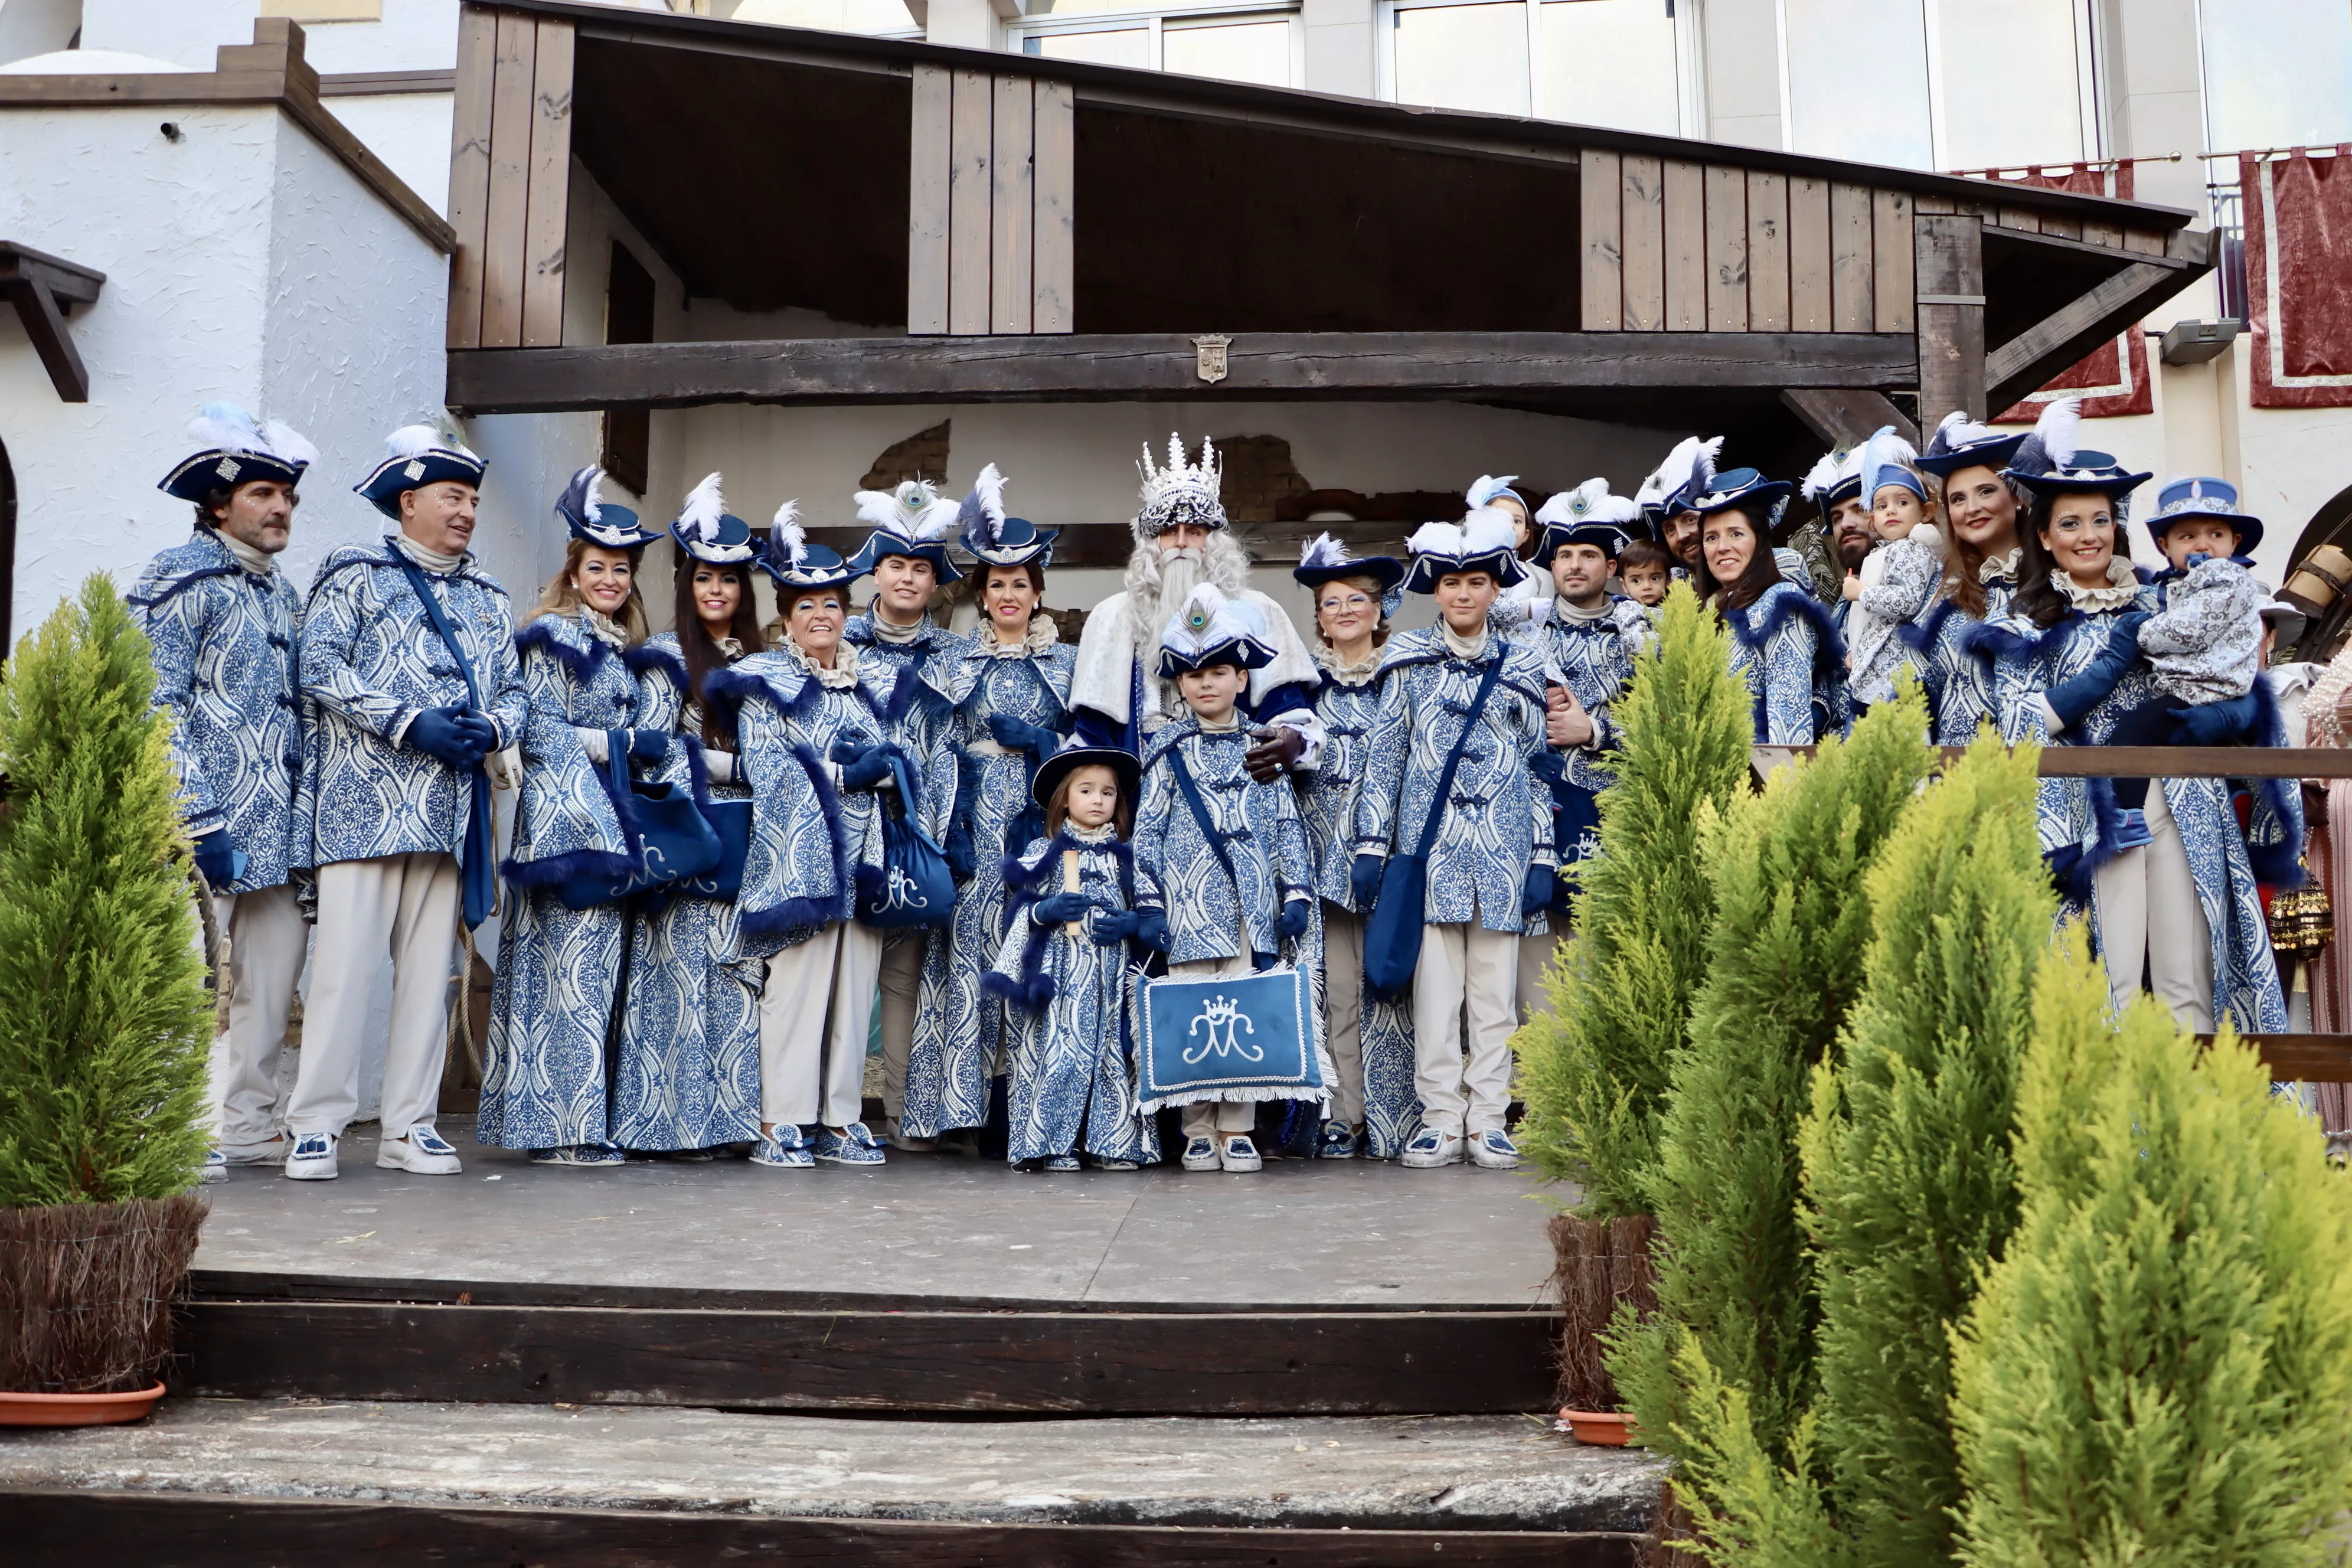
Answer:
(1597, 1264)
(85, 1294)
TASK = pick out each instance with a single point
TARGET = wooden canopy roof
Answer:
(1012, 227)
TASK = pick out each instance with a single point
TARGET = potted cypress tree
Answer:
(104, 1025)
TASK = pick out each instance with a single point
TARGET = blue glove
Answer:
(1364, 880)
(2073, 698)
(961, 857)
(218, 858)
(649, 745)
(1018, 735)
(1536, 894)
(1151, 929)
(1056, 908)
(1292, 922)
(1115, 925)
(2230, 722)
(861, 768)
(452, 735)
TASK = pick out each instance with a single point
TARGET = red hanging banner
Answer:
(2298, 219)
(2112, 379)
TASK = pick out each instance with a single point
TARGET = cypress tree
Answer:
(1594, 1069)
(1909, 1190)
(2158, 1370)
(1792, 929)
(104, 1020)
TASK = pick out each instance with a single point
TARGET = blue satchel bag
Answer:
(731, 820)
(1392, 931)
(914, 887)
(675, 840)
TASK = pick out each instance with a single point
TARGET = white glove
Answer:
(595, 743)
(721, 764)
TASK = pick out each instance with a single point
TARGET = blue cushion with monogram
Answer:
(1241, 1037)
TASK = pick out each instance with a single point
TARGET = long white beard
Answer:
(1158, 582)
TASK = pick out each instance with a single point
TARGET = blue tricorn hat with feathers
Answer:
(1960, 442)
(1834, 478)
(707, 531)
(233, 451)
(794, 563)
(1485, 541)
(995, 539)
(421, 455)
(1077, 753)
(1326, 559)
(1588, 514)
(2199, 496)
(1747, 489)
(911, 519)
(1687, 470)
(1209, 630)
(589, 516)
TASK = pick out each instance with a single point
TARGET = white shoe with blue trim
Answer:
(1493, 1150)
(216, 1166)
(784, 1149)
(1201, 1154)
(1432, 1148)
(313, 1158)
(1239, 1155)
(423, 1152)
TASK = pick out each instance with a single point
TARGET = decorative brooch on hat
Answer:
(1588, 514)
(707, 531)
(421, 455)
(233, 451)
(1209, 628)
(995, 539)
(910, 519)
(1485, 541)
(589, 516)
(794, 563)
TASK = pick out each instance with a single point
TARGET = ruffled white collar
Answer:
(2122, 588)
(1042, 634)
(1999, 568)
(1106, 834)
(602, 627)
(1348, 674)
(843, 673)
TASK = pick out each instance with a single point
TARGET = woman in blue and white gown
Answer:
(1779, 633)
(560, 970)
(689, 1060)
(1010, 689)
(1967, 463)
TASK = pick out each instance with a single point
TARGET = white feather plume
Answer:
(789, 532)
(1322, 552)
(1489, 489)
(1959, 430)
(1436, 538)
(1823, 476)
(289, 443)
(936, 522)
(982, 512)
(1691, 458)
(1489, 529)
(2060, 428)
(223, 427)
(705, 505)
(415, 440)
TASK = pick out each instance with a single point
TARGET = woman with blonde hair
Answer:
(561, 969)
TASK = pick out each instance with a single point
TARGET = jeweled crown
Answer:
(1180, 492)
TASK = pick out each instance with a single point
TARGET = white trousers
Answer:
(1534, 959)
(407, 905)
(267, 941)
(1208, 1118)
(1343, 1012)
(2148, 916)
(813, 1016)
(902, 979)
(1464, 993)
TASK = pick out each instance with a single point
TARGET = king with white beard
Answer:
(1181, 540)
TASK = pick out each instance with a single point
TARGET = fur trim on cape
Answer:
(811, 914)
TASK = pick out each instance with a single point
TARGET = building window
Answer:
(2275, 73)
(880, 19)
(1613, 63)
(1266, 46)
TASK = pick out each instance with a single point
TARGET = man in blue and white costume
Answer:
(398, 738)
(814, 745)
(1182, 539)
(907, 557)
(1663, 497)
(1588, 640)
(1490, 860)
(1009, 689)
(223, 622)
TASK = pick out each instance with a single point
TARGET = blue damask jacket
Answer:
(1594, 660)
(371, 661)
(814, 844)
(919, 719)
(224, 641)
(1779, 645)
(1178, 874)
(570, 821)
(1346, 704)
(1494, 824)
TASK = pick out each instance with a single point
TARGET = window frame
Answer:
(1690, 109)
(1156, 21)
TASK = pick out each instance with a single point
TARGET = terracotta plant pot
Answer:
(1604, 1428)
(77, 1409)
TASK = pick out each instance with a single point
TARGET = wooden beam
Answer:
(2301, 1058)
(2021, 365)
(70, 282)
(1056, 170)
(61, 1529)
(1602, 270)
(1851, 283)
(44, 324)
(971, 187)
(506, 237)
(1082, 368)
(1685, 186)
(1950, 274)
(1843, 416)
(1197, 1363)
(927, 202)
(469, 171)
(550, 187)
(1013, 207)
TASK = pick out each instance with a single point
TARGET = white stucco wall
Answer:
(36, 26)
(410, 132)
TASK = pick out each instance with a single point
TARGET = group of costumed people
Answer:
(1001, 841)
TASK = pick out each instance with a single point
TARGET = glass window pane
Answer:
(832, 15)
(1232, 51)
(1113, 47)
(1858, 81)
(1610, 62)
(1463, 56)
(2278, 73)
(2013, 84)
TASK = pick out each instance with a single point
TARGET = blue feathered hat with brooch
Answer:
(1588, 514)
(1960, 442)
(2202, 496)
(233, 451)
(995, 539)
(1485, 541)
(1326, 560)
(707, 531)
(420, 455)
(2048, 463)
(590, 517)
(910, 519)
(1211, 630)
(1748, 490)
(794, 563)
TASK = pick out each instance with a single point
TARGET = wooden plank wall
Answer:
(510, 181)
(990, 205)
(1680, 247)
